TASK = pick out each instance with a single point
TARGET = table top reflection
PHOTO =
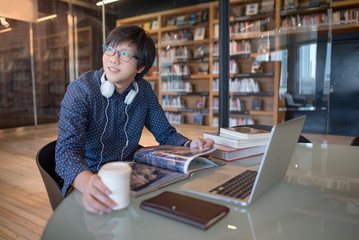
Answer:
(317, 199)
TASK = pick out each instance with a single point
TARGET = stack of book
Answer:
(229, 154)
(238, 142)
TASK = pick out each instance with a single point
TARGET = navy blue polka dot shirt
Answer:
(83, 119)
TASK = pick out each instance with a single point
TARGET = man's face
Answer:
(120, 72)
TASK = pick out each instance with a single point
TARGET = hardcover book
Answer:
(236, 11)
(252, 9)
(228, 154)
(257, 67)
(192, 18)
(171, 22)
(199, 33)
(267, 6)
(146, 26)
(193, 211)
(256, 104)
(158, 166)
(154, 25)
(181, 20)
(234, 142)
(246, 132)
(198, 118)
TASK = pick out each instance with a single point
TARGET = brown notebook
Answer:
(193, 211)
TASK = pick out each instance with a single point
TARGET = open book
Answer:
(158, 166)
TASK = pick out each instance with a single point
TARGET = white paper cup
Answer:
(116, 176)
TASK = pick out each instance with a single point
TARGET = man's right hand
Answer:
(95, 195)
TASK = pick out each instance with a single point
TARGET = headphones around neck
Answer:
(108, 88)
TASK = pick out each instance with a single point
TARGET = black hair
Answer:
(145, 47)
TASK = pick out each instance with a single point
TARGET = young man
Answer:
(104, 112)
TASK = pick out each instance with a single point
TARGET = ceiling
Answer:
(134, 7)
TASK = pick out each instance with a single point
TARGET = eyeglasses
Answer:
(122, 55)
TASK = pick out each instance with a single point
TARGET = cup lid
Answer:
(115, 168)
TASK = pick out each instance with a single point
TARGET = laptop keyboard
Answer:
(239, 186)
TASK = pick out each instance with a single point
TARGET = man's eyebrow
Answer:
(127, 50)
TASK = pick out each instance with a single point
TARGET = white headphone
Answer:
(108, 88)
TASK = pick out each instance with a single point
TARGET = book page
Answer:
(144, 176)
(175, 158)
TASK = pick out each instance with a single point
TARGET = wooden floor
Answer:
(24, 206)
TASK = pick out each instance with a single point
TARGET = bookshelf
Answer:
(186, 70)
(51, 63)
(85, 55)
(336, 15)
(15, 78)
(51, 76)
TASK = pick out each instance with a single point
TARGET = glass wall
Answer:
(15, 64)
(38, 60)
(320, 43)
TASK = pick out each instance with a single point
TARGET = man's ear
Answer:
(141, 69)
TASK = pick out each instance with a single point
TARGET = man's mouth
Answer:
(113, 69)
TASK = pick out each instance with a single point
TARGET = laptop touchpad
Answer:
(216, 177)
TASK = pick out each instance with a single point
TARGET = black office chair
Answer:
(355, 141)
(45, 160)
(301, 139)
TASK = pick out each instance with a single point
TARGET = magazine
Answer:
(158, 166)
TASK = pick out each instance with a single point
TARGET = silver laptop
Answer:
(244, 185)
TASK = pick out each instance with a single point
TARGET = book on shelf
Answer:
(181, 20)
(290, 4)
(256, 67)
(199, 52)
(171, 22)
(192, 18)
(203, 68)
(154, 25)
(158, 166)
(199, 33)
(147, 26)
(245, 132)
(205, 16)
(267, 6)
(263, 46)
(252, 9)
(201, 102)
(198, 118)
(256, 104)
(229, 154)
(234, 142)
(193, 211)
(236, 11)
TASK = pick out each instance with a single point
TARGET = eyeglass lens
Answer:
(122, 55)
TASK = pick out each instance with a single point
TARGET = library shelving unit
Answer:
(15, 74)
(254, 84)
(51, 62)
(335, 15)
(85, 55)
(185, 73)
(51, 75)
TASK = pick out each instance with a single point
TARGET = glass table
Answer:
(317, 199)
